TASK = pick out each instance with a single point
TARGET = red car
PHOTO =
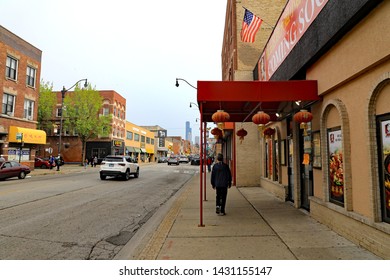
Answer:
(41, 163)
(10, 169)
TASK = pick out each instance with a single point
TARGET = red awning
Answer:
(242, 99)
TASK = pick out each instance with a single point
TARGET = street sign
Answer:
(19, 136)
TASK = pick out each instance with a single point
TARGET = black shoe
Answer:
(223, 214)
(218, 210)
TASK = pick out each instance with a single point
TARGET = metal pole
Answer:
(61, 119)
(21, 147)
(234, 155)
(205, 159)
(63, 91)
(201, 169)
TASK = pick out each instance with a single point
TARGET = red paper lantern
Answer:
(241, 134)
(216, 132)
(269, 131)
(303, 117)
(220, 117)
(261, 119)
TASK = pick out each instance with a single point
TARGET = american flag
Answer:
(250, 25)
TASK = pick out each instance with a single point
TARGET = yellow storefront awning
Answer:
(27, 135)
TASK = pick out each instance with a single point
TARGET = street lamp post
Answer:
(180, 79)
(202, 157)
(63, 91)
(192, 103)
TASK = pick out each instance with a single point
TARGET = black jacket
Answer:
(221, 176)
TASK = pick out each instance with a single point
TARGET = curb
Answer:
(147, 242)
(152, 249)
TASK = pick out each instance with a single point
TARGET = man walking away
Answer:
(221, 180)
(209, 162)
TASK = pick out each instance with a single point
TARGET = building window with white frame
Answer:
(59, 112)
(106, 111)
(28, 109)
(11, 71)
(30, 76)
(8, 104)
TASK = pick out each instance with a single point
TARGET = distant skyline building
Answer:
(197, 140)
(188, 131)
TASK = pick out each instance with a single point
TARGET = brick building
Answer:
(238, 60)
(20, 68)
(113, 143)
(177, 145)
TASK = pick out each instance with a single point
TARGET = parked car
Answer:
(41, 163)
(183, 159)
(118, 166)
(162, 160)
(195, 160)
(173, 160)
(11, 168)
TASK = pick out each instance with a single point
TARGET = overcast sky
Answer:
(136, 48)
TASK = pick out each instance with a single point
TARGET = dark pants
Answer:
(221, 198)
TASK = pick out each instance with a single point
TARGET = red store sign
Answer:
(295, 20)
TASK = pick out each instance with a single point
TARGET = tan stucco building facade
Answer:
(340, 171)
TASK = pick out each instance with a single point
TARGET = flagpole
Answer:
(261, 19)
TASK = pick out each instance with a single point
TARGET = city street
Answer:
(78, 216)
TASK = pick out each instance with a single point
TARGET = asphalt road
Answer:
(78, 216)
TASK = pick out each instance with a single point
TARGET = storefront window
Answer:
(316, 149)
(276, 162)
(18, 154)
(269, 158)
(384, 158)
(266, 156)
(336, 173)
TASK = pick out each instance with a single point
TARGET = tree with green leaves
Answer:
(81, 114)
(47, 103)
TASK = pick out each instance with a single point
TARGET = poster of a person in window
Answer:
(336, 172)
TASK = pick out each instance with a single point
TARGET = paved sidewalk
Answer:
(257, 226)
(64, 169)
